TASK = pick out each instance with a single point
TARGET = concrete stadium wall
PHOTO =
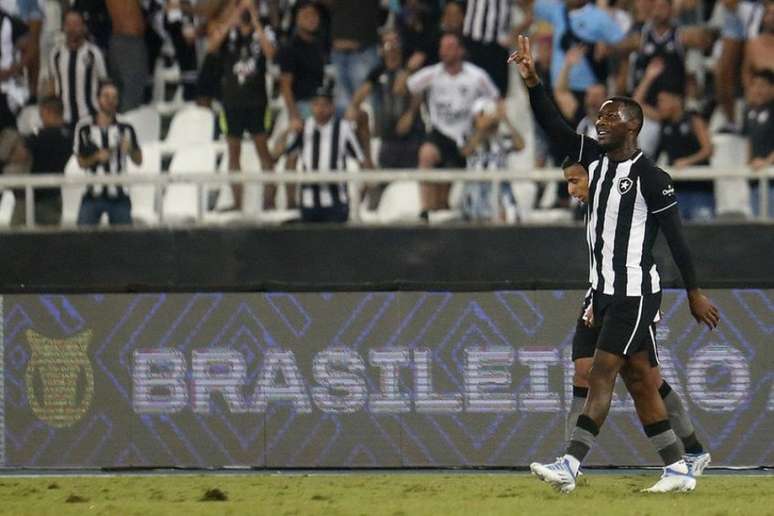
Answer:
(352, 379)
(351, 259)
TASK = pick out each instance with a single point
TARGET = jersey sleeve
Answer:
(487, 87)
(351, 144)
(421, 80)
(658, 190)
(83, 146)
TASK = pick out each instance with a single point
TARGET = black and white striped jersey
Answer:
(90, 137)
(325, 149)
(624, 198)
(76, 76)
(487, 21)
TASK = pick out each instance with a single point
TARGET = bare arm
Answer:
(360, 95)
(652, 72)
(747, 64)
(695, 37)
(286, 89)
(407, 119)
(565, 100)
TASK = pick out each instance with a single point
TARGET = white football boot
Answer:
(697, 462)
(676, 479)
(559, 474)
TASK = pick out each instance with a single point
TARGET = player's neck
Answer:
(624, 152)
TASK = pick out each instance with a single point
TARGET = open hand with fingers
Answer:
(523, 59)
(703, 310)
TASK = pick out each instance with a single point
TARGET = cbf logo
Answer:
(624, 185)
(60, 380)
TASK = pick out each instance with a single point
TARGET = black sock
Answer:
(692, 444)
(664, 441)
(586, 431)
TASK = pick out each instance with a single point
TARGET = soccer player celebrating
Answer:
(629, 200)
(584, 343)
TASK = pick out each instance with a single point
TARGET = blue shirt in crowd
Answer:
(589, 23)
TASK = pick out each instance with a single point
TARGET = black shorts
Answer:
(246, 118)
(451, 157)
(614, 325)
(625, 322)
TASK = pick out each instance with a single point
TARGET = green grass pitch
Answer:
(373, 494)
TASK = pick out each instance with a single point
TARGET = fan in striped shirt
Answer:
(629, 200)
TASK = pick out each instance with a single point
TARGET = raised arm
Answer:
(546, 113)
(652, 72)
(565, 100)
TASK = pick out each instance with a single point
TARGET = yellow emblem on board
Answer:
(60, 380)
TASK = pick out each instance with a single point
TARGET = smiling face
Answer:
(577, 182)
(613, 125)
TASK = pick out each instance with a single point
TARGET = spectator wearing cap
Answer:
(489, 149)
(759, 129)
(324, 144)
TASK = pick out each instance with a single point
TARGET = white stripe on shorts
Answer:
(636, 326)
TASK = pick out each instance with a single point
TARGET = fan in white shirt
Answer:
(451, 87)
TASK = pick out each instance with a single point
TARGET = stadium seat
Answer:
(144, 198)
(146, 122)
(7, 204)
(181, 201)
(253, 194)
(28, 121)
(71, 195)
(191, 126)
(399, 203)
(732, 196)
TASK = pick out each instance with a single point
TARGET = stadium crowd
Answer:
(399, 84)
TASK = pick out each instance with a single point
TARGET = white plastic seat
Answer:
(71, 195)
(181, 201)
(732, 196)
(28, 121)
(400, 202)
(7, 204)
(146, 122)
(191, 126)
(144, 196)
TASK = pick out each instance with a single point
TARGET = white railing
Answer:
(207, 179)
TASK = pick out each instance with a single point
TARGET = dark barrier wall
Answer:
(362, 259)
(352, 379)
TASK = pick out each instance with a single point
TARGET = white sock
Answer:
(574, 464)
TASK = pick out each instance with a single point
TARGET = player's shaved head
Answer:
(630, 109)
